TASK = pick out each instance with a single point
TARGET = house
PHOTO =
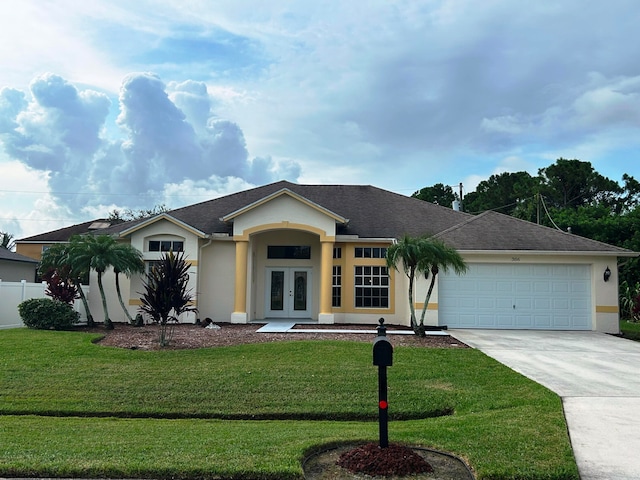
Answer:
(15, 267)
(33, 247)
(317, 252)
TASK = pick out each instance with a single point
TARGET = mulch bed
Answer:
(189, 336)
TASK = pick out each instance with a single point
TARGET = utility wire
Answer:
(544, 205)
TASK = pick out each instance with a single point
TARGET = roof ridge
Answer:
(461, 224)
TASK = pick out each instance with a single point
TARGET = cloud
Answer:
(169, 136)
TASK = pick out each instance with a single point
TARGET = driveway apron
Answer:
(598, 378)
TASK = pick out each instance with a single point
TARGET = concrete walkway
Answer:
(598, 378)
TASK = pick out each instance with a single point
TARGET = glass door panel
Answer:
(288, 292)
(300, 290)
(277, 290)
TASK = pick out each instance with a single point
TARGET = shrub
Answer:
(47, 314)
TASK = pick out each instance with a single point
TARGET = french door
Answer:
(288, 292)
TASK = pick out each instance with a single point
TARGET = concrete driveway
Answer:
(598, 378)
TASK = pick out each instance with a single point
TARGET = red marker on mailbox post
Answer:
(383, 358)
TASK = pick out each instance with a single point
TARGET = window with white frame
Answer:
(166, 245)
(150, 264)
(336, 287)
(371, 286)
(370, 252)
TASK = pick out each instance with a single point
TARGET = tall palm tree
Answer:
(407, 252)
(436, 256)
(97, 252)
(57, 258)
(423, 255)
(127, 260)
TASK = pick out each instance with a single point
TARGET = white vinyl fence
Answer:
(13, 294)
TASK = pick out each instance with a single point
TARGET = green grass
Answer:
(630, 330)
(73, 408)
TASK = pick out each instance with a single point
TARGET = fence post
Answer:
(23, 290)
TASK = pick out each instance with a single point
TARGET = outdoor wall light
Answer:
(607, 274)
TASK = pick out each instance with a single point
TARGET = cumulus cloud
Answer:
(170, 136)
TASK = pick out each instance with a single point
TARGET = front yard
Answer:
(71, 408)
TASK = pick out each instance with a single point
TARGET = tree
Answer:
(60, 285)
(423, 255)
(95, 252)
(505, 193)
(166, 294)
(573, 183)
(6, 241)
(127, 215)
(56, 259)
(439, 193)
(127, 260)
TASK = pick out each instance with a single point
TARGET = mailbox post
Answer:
(383, 358)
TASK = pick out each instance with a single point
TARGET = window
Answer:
(289, 252)
(370, 252)
(337, 252)
(336, 290)
(372, 287)
(150, 264)
(165, 246)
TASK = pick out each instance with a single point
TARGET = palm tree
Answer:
(97, 252)
(423, 255)
(57, 258)
(127, 260)
(406, 251)
(436, 256)
(6, 241)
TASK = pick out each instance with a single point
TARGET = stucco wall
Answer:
(216, 283)
(283, 209)
(11, 271)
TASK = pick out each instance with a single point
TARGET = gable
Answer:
(284, 209)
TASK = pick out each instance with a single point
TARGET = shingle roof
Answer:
(496, 231)
(376, 213)
(63, 234)
(14, 257)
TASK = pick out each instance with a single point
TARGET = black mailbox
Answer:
(382, 348)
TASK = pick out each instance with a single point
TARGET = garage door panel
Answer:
(544, 296)
(504, 321)
(542, 321)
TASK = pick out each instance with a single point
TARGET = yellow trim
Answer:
(284, 226)
(137, 302)
(326, 276)
(240, 302)
(193, 263)
(349, 263)
(607, 309)
(431, 306)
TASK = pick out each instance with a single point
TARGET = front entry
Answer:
(288, 292)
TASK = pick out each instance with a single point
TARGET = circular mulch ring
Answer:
(323, 465)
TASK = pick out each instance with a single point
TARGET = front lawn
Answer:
(630, 330)
(73, 408)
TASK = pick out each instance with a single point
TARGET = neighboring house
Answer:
(34, 246)
(15, 267)
(317, 252)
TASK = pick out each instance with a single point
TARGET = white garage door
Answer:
(517, 296)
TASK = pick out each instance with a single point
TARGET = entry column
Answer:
(326, 281)
(239, 314)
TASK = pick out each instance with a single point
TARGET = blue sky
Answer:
(120, 104)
